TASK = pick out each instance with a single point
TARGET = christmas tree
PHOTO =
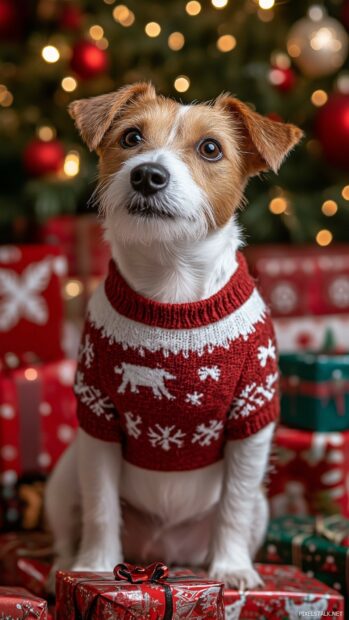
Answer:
(288, 59)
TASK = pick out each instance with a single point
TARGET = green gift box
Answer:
(315, 391)
(319, 546)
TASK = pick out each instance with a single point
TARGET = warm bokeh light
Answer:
(72, 164)
(294, 50)
(329, 208)
(316, 13)
(50, 53)
(280, 60)
(345, 192)
(182, 83)
(46, 133)
(123, 15)
(343, 83)
(152, 29)
(31, 374)
(69, 84)
(219, 4)
(104, 43)
(319, 98)
(226, 43)
(6, 98)
(324, 237)
(266, 4)
(73, 288)
(193, 7)
(278, 205)
(96, 32)
(176, 41)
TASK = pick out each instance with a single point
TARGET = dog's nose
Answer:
(149, 178)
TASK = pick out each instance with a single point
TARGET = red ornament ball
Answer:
(88, 60)
(9, 18)
(283, 79)
(41, 158)
(71, 17)
(332, 129)
(345, 14)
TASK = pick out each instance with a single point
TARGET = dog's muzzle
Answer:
(149, 178)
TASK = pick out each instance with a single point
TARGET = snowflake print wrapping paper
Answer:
(31, 305)
(174, 382)
(19, 604)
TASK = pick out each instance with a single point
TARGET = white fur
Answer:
(216, 513)
(182, 110)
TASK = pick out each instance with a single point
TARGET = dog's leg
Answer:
(99, 467)
(260, 523)
(62, 510)
(245, 465)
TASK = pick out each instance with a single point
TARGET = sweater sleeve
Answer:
(256, 401)
(96, 412)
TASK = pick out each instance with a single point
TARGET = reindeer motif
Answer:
(143, 376)
(316, 608)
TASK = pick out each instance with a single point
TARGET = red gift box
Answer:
(309, 473)
(286, 593)
(137, 593)
(81, 240)
(298, 281)
(37, 417)
(25, 559)
(19, 604)
(31, 305)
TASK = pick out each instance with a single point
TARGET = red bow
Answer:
(140, 574)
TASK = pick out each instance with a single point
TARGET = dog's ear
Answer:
(94, 116)
(264, 142)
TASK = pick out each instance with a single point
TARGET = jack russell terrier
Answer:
(177, 381)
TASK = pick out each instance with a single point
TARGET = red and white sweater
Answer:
(174, 382)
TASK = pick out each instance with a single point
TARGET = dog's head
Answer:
(170, 171)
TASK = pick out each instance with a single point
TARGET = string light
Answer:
(343, 83)
(30, 374)
(345, 192)
(69, 84)
(71, 164)
(276, 76)
(46, 133)
(50, 53)
(96, 32)
(152, 29)
(123, 15)
(73, 288)
(324, 237)
(176, 41)
(219, 4)
(193, 8)
(265, 16)
(329, 208)
(319, 98)
(266, 4)
(280, 60)
(103, 43)
(182, 83)
(278, 205)
(316, 13)
(6, 98)
(226, 43)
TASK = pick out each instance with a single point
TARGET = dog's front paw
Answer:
(59, 564)
(234, 577)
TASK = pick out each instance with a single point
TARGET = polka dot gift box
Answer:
(37, 417)
(31, 305)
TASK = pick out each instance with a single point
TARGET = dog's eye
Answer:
(131, 137)
(210, 149)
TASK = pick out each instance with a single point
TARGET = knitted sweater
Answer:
(174, 382)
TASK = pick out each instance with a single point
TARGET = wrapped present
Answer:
(37, 417)
(286, 593)
(306, 333)
(315, 391)
(298, 281)
(19, 604)
(134, 592)
(81, 240)
(309, 473)
(31, 304)
(318, 546)
(25, 559)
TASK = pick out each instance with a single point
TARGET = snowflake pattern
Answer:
(194, 398)
(27, 611)
(209, 371)
(21, 295)
(86, 352)
(206, 433)
(92, 398)
(166, 437)
(133, 423)
(254, 396)
(264, 353)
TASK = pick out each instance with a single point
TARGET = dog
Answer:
(177, 381)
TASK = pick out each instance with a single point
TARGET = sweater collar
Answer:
(184, 315)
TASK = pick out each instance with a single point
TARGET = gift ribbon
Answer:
(336, 389)
(156, 572)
